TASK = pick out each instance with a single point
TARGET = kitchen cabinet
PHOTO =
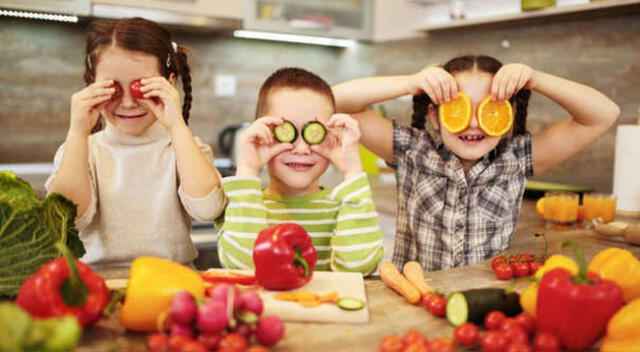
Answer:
(374, 20)
(68, 7)
(220, 14)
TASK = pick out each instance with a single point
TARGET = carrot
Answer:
(413, 272)
(394, 279)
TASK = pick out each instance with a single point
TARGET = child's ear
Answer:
(172, 78)
(433, 116)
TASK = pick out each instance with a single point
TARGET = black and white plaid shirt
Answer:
(447, 218)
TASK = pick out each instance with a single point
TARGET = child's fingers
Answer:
(436, 90)
(447, 85)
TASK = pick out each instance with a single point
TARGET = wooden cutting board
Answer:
(345, 284)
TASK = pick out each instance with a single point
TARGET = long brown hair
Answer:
(138, 34)
(519, 101)
(294, 78)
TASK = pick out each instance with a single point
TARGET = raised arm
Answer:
(591, 113)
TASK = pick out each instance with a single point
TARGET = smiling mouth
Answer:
(130, 117)
(472, 138)
(299, 166)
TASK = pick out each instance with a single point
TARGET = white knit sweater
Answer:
(137, 207)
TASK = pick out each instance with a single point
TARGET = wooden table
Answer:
(390, 314)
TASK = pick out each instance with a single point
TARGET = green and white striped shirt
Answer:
(342, 223)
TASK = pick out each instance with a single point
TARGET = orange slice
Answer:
(494, 118)
(455, 115)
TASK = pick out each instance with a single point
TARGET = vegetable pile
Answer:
(29, 230)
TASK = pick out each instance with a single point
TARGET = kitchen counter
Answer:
(390, 314)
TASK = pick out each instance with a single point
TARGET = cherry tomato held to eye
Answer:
(135, 89)
(118, 93)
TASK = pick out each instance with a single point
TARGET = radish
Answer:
(251, 302)
(183, 308)
(270, 330)
(213, 316)
(179, 329)
(223, 292)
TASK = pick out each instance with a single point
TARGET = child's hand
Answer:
(166, 105)
(257, 146)
(87, 103)
(509, 79)
(436, 82)
(341, 146)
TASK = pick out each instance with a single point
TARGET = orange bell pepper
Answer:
(622, 329)
(620, 266)
(152, 284)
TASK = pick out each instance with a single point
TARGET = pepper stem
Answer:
(73, 290)
(581, 278)
(299, 260)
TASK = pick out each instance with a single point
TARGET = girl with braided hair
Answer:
(459, 194)
(141, 176)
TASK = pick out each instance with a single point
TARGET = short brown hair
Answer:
(294, 78)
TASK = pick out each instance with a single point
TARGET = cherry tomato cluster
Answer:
(435, 303)
(415, 341)
(210, 326)
(517, 334)
(519, 265)
(134, 88)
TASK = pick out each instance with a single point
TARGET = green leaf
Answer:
(29, 229)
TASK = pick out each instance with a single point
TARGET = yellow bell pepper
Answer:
(557, 261)
(529, 297)
(620, 266)
(623, 329)
(152, 284)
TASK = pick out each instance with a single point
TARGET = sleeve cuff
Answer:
(353, 189)
(204, 208)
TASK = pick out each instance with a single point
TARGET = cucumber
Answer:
(473, 305)
(313, 132)
(285, 132)
(350, 303)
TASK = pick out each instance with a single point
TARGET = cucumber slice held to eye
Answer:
(313, 132)
(285, 132)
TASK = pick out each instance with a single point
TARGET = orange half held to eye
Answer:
(455, 115)
(495, 118)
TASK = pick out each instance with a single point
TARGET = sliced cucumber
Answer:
(473, 305)
(313, 132)
(350, 303)
(285, 132)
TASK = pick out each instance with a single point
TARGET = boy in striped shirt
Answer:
(342, 222)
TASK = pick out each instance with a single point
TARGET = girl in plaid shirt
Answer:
(459, 194)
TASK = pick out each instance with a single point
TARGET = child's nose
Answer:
(300, 146)
(128, 100)
(474, 120)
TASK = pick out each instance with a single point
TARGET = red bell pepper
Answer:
(576, 308)
(54, 291)
(284, 257)
(219, 277)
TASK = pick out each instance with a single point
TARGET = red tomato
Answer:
(441, 344)
(546, 342)
(435, 304)
(234, 341)
(503, 271)
(497, 260)
(494, 341)
(413, 336)
(527, 322)
(525, 257)
(177, 342)
(521, 269)
(534, 266)
(157, 342)
(516, 334)
(415, 347)
(258, 348)
(118, 93)
(135, 89)
(193, 346)
(493, 320)
(466, 334)
(513, 258)
(391, 343)
(518, 347)
(508, 323)
(211, 341)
